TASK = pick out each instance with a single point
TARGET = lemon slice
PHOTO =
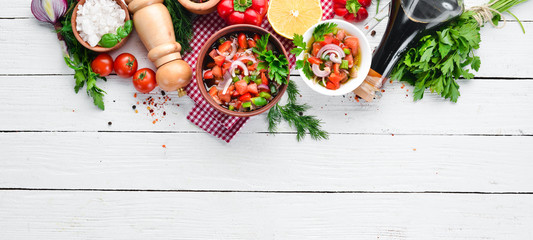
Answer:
(288, 17)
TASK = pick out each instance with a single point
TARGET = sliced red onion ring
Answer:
(249, 58)
(236, 64)
(226, 83)
(230, 55)
(334, 56)
(333, 47)
(321, 73)
(263, 88)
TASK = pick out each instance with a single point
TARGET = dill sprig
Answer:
(293, 114)
(182, 21)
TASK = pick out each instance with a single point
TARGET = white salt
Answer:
(98, 17)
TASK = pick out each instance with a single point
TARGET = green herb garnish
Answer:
(182, 22)
(301, 46)
(293, 113)
(323, 29)
(80, 59)
(109, 40)
(277, 66)
(442, 57)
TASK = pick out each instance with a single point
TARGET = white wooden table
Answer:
(392, 169)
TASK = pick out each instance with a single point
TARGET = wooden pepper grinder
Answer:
(154, 26)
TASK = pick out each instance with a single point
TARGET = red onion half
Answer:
(48, 10)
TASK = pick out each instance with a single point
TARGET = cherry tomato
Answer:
(144, 80)
(251, 43)
(243, 43)
(102, 64)
(361, 15)
(365, 3)
(125, 65)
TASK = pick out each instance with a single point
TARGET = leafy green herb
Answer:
(109, 40)
(182, 22)
(301, 46)
(442, 57)
(293, 113)
(79, 60)
(323, 29)
(277, 66)
(241, 5)
(352, 6)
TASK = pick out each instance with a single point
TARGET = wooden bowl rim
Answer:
(200, 8)
(203, 55)
(98, 48)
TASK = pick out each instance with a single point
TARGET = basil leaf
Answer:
(109, 40)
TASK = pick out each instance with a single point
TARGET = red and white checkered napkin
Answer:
(203, 115)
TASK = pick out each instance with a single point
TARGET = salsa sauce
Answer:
(231, 75)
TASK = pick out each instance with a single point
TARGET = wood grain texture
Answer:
(141, 215)
(478, 111)
(43, 53)
(198, 162)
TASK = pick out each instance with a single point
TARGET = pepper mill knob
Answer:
(154, 26)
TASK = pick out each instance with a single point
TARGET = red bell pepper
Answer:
(351, 10)
(243, 11)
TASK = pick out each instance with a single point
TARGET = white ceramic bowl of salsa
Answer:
(364, 64)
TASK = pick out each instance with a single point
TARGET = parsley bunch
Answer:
(442, 57)
(80, 60)
(277, 66)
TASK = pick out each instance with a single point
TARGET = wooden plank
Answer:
(21, 9)
(196, 161)
(142, 215)
(43, 54)
(479, 110)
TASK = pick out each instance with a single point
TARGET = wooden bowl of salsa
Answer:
(228, 76)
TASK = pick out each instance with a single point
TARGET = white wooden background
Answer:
(392, 169)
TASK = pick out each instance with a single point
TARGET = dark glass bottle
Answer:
(407, 20)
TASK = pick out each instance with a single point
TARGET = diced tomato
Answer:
(238, 104)
(217, 99)
(349, 58)
(314, 60)
(252, 67)
(226, 66)
(251, 43)
(213, 91)
(224, 47)
(235, 94)
(336, 41)
(316, 48)
(219, 60)
(330, 85)
(241, 86)
(336, 68)
(341, 34)
(246, 97)
(243, 43)
(264, 79)
(252, 88)
(328, 39)
(208, 74)
(256, 37)
(335, 79)
(353, 44)
(217, 72)
(226, 97)
(211, 65)
(263, 70)
(213, 53)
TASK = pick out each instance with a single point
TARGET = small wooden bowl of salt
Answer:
(98, 48)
